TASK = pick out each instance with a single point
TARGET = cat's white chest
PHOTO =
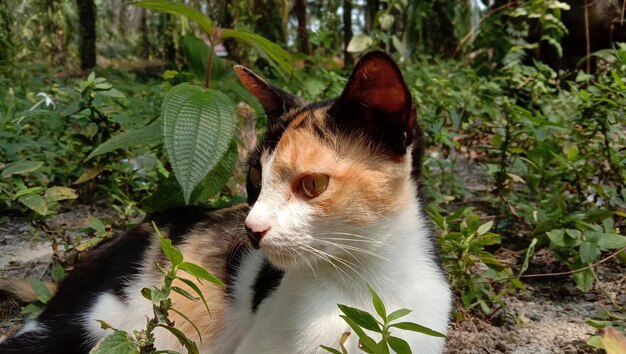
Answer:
(297, 318)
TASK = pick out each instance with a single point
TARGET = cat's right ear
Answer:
(275, 101)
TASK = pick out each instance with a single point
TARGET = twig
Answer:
(587, 39)
(542, 275)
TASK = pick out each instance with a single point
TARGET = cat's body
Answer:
(335, 206)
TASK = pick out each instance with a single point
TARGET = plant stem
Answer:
(208, 67)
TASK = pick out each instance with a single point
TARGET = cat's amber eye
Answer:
(313, 185)
(255, 176)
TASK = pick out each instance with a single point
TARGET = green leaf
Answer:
(361, 317)
(195, 288)
(397, 314)
(199, 272)
(589, 251)
(369, 345)
(116, 343)
(182, 338)
(54, 194)
(378, 304)
(399, 345)
(90, 173)
(115, 93)
(35, 202)
(151, 134)
(198, 128)
(484, 228)
(171, 7)
(610, 241)
(184, 293)
(42, 291)
(171, 252)
(33, 190)
(20, 167)
(329, 349)
(359, 43)
(278, 57)
(410, 326)
(58, 273)
(190, 322)
(584, 280)
(197, 54)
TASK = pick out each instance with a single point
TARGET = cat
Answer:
(334, 207)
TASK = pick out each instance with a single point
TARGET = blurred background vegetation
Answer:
(523, 105)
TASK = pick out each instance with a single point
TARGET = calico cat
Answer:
(335, 206)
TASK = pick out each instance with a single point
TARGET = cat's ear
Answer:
(275, 101)
(377, 102)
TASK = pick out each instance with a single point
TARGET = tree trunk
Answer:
(145, 35)
(303, 34)
(268, 23)
(6, 43)
(167, 28)
(372, 7)
(87, 20)
(54, 32)
(347, 32)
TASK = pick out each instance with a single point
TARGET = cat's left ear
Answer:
(377, 102)
(275, 102)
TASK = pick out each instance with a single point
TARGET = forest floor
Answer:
(548, 316)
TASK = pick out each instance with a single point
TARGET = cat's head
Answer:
(328, 173)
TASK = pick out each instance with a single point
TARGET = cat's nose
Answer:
(255, 234)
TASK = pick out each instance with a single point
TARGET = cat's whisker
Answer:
(353, 248)
(351, 234)
(352, 240)
(325, 256)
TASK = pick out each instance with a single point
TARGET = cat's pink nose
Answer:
(256, 232)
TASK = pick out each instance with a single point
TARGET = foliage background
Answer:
(523, 114)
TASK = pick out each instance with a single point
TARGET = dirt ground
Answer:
(547, 317)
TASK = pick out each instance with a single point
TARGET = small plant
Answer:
(42, 291)
(40, 199)
(471, 267)
(360, 321)
(142, 341)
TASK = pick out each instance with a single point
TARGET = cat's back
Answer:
(107, 282)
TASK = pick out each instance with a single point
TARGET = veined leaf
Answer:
(42, 291)
(151, 134)
(171, 7)
(198, 126)
(278, 57)
(170, 195)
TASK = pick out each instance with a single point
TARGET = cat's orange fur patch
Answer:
(363, 185)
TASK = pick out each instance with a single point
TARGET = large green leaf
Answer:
(170, 195)
(20, 167)
(197, 54)
(150, 134)
(410, 326)
(171, 7)
(198, 126)
(116, 343)
(360, 317)
(272, 51)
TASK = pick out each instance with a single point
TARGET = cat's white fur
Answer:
(393, 255)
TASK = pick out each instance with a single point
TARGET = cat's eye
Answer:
(313, 185)
(255, 176)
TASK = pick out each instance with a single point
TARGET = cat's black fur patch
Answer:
(105, 269)
(267, 280)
